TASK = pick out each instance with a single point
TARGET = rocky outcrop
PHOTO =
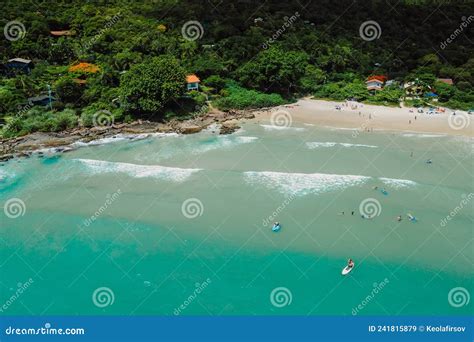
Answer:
(61, 141)
(229, 128)
(190, 129)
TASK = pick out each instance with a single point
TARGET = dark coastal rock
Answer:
(190, 129)
(229, 128)
(6, 157)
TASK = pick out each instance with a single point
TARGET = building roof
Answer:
(62, 33)
(374, 80)
(20, 60)
(446, 80)
(192, 79)
(380, 78)
(84, 67)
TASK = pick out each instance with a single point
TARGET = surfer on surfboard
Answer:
(348, 268)
(276, 227)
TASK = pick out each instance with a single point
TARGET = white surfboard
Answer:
(346, 270)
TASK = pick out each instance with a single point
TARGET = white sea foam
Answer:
(302, 183)
(121, 137)
(4, 175)
(423, 135)
(282, 128)
(222, 142)
(332, 128)
(398, 183)
(138, 171)
(316, 144)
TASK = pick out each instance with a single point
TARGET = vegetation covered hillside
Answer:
(130, 59)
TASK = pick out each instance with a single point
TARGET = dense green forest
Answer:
(247, 53)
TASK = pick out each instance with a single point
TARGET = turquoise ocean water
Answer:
(174, 224)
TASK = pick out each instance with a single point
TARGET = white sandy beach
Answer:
(365, 117)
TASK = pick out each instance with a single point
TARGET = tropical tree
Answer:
(149, 86)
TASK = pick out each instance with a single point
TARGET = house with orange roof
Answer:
(375, 82)
(192, 82)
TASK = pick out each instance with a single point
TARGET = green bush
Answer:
(39, 119)
(241, 98)
(88, 113)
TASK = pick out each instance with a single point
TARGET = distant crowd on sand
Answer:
(354, 105)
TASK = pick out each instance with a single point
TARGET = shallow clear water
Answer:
(155, 219)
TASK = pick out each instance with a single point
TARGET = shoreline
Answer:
(63, 141)
(307, 111)
(369, 118)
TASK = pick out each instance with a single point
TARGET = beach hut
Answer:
(192, 82)
(20, 64)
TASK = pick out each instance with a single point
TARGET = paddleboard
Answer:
(276, 228)
(346, 270)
